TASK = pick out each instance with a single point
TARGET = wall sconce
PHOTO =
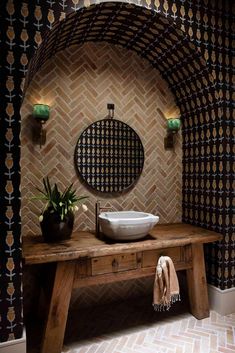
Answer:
(41, 114)
(173, 126)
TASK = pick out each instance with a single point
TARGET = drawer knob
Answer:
(115, 264)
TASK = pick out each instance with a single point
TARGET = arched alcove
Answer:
(159, 39)
(156, 40)
(78, 83)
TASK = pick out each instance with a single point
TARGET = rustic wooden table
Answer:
(86, 260)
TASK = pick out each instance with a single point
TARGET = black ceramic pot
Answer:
(53, 229)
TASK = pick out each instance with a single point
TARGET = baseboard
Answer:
(14, 346)
(222, 301)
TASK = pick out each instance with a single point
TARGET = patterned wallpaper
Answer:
(192, 45)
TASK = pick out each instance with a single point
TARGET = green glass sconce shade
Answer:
(41, 112)
(173, 125)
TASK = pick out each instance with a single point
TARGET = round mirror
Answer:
(109, 156)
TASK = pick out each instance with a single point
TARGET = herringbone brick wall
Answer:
(77, 84)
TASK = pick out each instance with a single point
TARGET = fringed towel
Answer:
(166, 285)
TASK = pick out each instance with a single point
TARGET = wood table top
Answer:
(86, 244)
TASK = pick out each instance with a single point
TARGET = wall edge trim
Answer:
(14, 346)
(221, 301)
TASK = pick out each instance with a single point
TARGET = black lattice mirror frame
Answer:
(109, 156)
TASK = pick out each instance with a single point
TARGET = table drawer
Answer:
(113, 263)
(150, 257)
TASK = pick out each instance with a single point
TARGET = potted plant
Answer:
(57, 217)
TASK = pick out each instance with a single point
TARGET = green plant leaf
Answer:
(56, 201)
(41, 191)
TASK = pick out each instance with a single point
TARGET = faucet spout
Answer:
(98, 210)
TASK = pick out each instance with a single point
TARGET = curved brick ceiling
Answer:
(148, 33)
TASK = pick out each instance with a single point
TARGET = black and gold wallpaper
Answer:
(191, 43)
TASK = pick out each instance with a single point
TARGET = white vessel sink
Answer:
(126, 225)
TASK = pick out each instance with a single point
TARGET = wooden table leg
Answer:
(197, 285)
(58, 308)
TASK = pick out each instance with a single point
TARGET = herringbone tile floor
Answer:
(133, 327)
